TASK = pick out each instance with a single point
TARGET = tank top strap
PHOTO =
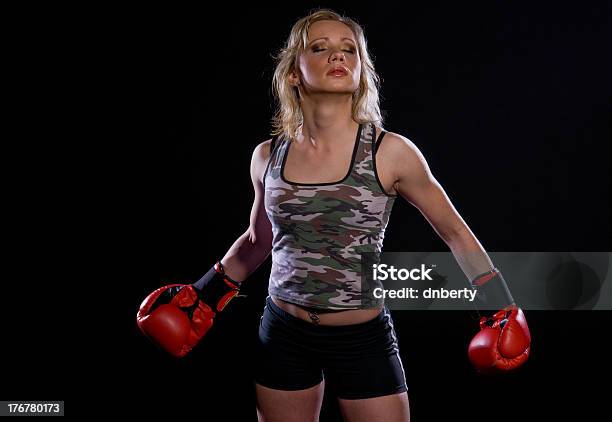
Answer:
(363, 171)
(364, 149)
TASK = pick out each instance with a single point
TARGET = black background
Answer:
(509, 103)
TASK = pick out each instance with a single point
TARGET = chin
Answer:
(340, 88)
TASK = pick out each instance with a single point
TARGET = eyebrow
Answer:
(327, 39)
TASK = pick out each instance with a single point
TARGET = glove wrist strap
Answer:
(492, 291)
(216, 288)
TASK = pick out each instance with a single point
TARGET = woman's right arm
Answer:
(251, 249)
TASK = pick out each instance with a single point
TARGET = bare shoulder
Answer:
(395, 143)
(262, 150)
(403, 160)
(259, 160)
(397, 150)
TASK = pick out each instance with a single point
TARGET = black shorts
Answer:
(357, 361)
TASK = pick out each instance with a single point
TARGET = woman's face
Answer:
(331, 60)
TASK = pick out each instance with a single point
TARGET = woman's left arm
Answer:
(504, 341)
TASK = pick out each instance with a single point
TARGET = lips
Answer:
(338, 71)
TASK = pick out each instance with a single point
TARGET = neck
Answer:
(327, 120)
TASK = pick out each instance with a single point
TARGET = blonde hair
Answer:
(288, 116)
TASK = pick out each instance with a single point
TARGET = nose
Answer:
(337, 55)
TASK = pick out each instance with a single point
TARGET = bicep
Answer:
(417, 185)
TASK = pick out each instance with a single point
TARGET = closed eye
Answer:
(316, 50)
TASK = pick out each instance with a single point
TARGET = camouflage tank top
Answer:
(321, 230)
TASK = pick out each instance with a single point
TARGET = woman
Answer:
(327, 203)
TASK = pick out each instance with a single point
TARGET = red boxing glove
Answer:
(176, 317)
(503, 342)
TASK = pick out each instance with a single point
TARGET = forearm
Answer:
(469, 253)
(245, 256)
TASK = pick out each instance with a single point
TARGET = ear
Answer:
(294, 78)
